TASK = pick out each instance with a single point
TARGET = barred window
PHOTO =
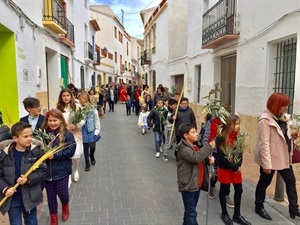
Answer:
(285, 69)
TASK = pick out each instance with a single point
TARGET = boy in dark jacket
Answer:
(16, 158)
(34, 109)
(157, 120)
(192, 172)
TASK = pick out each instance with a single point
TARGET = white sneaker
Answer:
(157, 154)
(160, 149)
(76, 176)
(165, 158)
(70, 181)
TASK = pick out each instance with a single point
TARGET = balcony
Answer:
(69, 37)
(146, 58)
(54, 16)
(88, 53)
(219, 24)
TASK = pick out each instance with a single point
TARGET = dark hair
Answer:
(172, 101)
(159, 99)
(166, 99)
(92, 89)
(184, 99)
(160, 88)
(176, 93)
(185, 129)
(276, 101)
(73, 89)
(31, 102)
(61, 105)
(18, 127)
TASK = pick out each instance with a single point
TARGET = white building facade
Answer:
(118, 63)
(41, 52)
(248, 51)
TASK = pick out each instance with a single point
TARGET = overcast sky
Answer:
(132, 20)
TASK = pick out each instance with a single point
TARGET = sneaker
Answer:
(165, 158)
(211, 193)
(160, 149)
(229, 203)
(157, 154)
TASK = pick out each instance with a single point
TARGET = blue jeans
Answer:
(158, 138)
(190, 200)
(15, 214)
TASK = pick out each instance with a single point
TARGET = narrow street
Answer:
(129, 186)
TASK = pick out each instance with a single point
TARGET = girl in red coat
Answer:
(229, 170)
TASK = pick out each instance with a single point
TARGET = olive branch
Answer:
(213, 107)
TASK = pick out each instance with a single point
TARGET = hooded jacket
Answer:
(31, 192)
(187, 165)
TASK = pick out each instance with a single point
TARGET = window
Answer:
(285, 69)
(115, 32)
(127, 49)
(120, 37)
(116, 57)
(110, 56)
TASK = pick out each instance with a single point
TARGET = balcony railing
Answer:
(220, 21)
(88, 52)
(146, 57)
(70, 31)
(54, 16)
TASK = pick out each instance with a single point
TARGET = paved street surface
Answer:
(129, 186)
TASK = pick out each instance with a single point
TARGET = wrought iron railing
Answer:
(88, 51)
(146, 57)
(54, 11)
(70, 30)
(219, 20)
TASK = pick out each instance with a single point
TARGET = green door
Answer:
(64, 70)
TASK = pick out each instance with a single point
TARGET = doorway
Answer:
(228, 81)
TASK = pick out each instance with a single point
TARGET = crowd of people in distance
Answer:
(75, 123)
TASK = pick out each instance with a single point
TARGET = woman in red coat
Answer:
(122, 93)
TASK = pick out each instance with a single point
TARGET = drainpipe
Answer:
(73, 67)
(279, 188)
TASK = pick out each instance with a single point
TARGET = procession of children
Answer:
(74, 126)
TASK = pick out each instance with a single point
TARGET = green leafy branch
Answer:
(44, 137)
(234, 153)
(213, 106)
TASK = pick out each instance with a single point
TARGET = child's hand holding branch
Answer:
(22, 180)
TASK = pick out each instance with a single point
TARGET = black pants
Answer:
(89, 151)
(224, 190)
(290, 186)
(111, 105)
(137, 108)
(128, 110)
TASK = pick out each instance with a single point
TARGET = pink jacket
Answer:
(271, 149)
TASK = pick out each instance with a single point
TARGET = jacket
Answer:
(271, 150)
(31, 193)
(61, 165)
(39, 122)
(183, 116)
(187, 165)
(155, 121)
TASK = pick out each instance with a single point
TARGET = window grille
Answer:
(285, 69)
